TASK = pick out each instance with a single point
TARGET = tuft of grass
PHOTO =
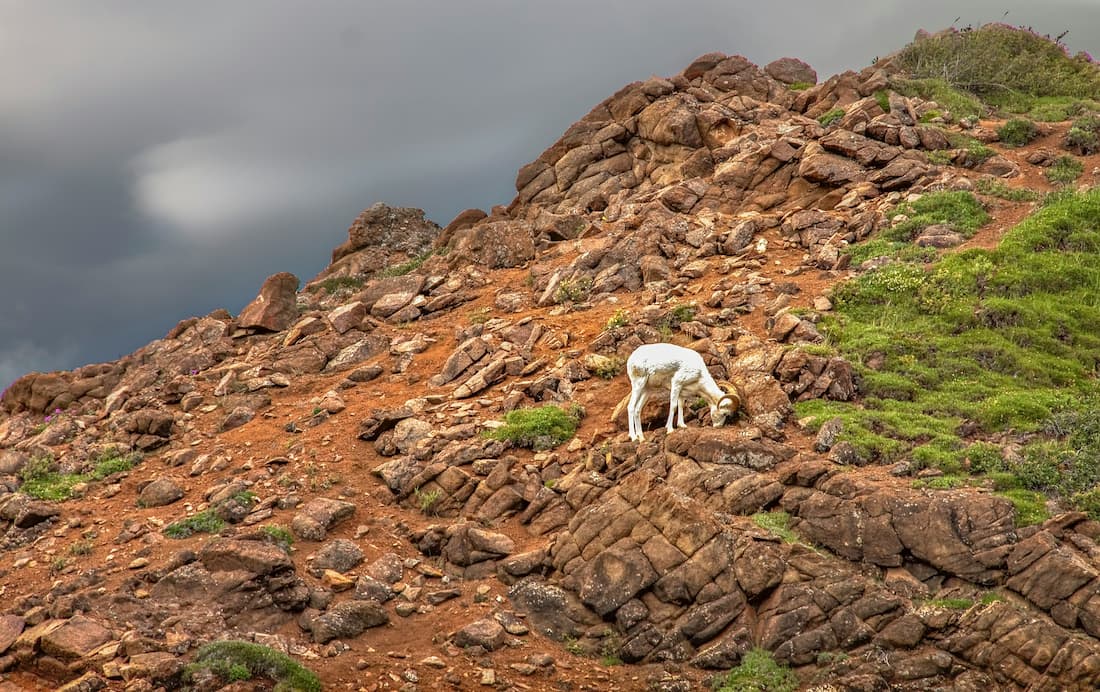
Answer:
(1030, 506)
(997, 188)
(799, 86)
(952, 603)
(406, 267)
(610, 369)
(279, 535)
(336, 283)
(1083, 136)
(1065, 170)
(539, 428)
(959, 103)
(758, 672)
(959, 209)
(206, 521)
(882, 98)
(427, 500)
(831, 116)
(621, 318)
(778, 523)
(1017, 132)
(233, 660)
(573, 290)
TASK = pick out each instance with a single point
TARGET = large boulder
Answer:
(276, 308)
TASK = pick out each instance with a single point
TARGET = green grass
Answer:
(621, 318)
(799, 86)
(41, 481)
(1002, 65)
(279, 535)
(960, 210)
(831, 116)
(958, 102)
(573, 290)
(778, 523)
(426, 500)
(1065, 170)
(758, 672)
(976, 151)
(952, 603)
(1017, 132)
(540, 428)
(997, 188)
(406, 267)
(206, 521)
(1003, 339)
(1056, 109)
(1083, 136)
(335, 283)
(239, 660)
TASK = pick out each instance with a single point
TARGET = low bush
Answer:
(758, 672)
(540, 428)
(234, 661)
(1017, 132)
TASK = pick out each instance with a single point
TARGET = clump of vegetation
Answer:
(758, 672)
(1083, 136)
(799, 86)
(427, 500)
(609, 369)
(881, 247)
(975, 152)
(234, 661)
(778, 523)
(41, 479)
(994, 339)
(958, 102)
(621, 318)
(952, 603)
(206, 521)
(831, 116)
(406, 267)
(334, 284)
(539, 428)
(997, 188)
(573, 290)
(279, 535)
(960, 210)
(1065, 170)
(1017, 132)
(1002, 65)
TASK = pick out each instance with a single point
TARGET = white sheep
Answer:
(682, 372)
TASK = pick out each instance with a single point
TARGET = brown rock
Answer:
(791, 71)
(276, 308)
(74, 639)
(487, 633)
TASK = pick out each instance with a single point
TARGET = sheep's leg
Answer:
(638, 398)
(674, 405)
(680, 422)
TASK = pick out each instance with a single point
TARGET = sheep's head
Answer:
(726, 407)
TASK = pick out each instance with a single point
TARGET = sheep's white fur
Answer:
(682, 372)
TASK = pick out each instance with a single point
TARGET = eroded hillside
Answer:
(320, 475)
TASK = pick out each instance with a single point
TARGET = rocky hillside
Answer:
(329, 474)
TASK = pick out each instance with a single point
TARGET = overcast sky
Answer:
(158, 160)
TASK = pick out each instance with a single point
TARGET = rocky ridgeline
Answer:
(663, 197)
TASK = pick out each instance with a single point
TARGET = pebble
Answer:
(488, 677)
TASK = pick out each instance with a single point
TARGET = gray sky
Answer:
(158, 160)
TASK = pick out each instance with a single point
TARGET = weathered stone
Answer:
(74, 639)
(276, 308)
(388, 569)
(160, 492)
(347, 620)
(615, 577)
(340, 555)
(791, 71)
(312, 522)
(487, 633)
(237, 417)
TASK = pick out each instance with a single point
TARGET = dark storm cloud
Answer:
(159, 160)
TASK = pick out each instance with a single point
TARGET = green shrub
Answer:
(882, 98)
(427, 499)
(1030, 506)
(952, 603)
(240, 660)
(621, 318)
(799, 86)
(1017, 132)
(831, 116)
(958, 102)
(573, 290)
(540, 428)
(206, 521)
(1083, 136)
(1001, 63)
(758, 672)
(1065, 170)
